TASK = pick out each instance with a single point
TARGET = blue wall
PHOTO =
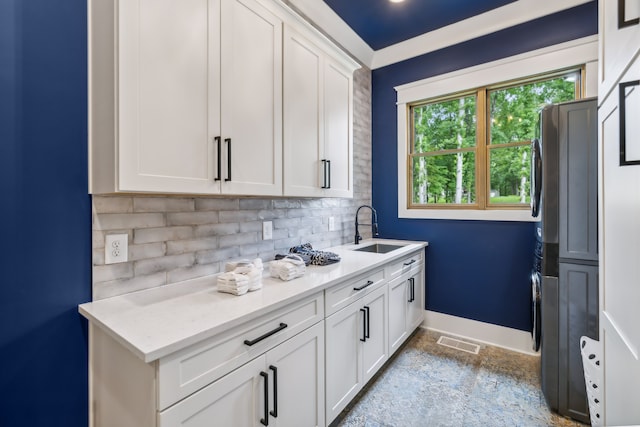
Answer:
(475, 269)
(45, 243)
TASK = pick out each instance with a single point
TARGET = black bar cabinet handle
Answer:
(411, 289)
(364, 325)
(265, 421)
(329, 174)
(228, 141)
(275, 391)
(409, 263)
(369, 283)
(267, 335)
(219, 143)
(324, 173)
(366, 334)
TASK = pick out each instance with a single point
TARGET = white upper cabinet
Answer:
(251, 94)
(187, 97)
(166, 110)
(318, 119)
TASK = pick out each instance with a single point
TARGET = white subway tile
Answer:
(112, 204)
(217, 255)
(192, 218)
(237, 239)
(146, 251)
(238, 216)
(216, 230)
(162, 234)
(255, 204)
(115, 221)
(213, 204)
(104, 273)
(192, 245)
(163, 204)
(186, 273)
(150, 266)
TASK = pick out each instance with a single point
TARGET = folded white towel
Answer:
(287, 268)
(233, 283)
(241, 276)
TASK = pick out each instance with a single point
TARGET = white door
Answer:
(236, 399)
(296, 370)
(303, 116)
(398, 297)
(619, 255)
(375, 348)
(167, 68)
(344, 331)
(338, 141)
(251, 96)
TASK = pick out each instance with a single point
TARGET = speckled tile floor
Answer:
(429, 385)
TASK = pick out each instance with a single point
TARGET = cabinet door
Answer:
(343, 331)
(578, 181)
(303, 116)
(338, 142)
(251, 96)
(578, 316)
(415, 301)
(167, 82)
(296, 370)
(375, 348)
(398, 297)
(236, 399)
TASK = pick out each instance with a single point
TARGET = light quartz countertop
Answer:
(156, 322)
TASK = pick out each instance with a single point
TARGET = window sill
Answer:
(523, 215)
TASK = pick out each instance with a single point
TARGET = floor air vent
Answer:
(459, 345)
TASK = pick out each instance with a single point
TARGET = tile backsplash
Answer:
(174, 238)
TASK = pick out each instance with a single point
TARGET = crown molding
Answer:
(326, 20)
(489, 22)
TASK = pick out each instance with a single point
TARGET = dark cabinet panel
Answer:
(578, 181)
(578, 316)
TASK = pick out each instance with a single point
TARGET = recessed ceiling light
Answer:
(396, 1)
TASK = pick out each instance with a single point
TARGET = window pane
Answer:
(444, 125)
(515, 110)
(448, 178)
(510, 174)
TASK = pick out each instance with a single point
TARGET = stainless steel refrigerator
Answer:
(569, 222)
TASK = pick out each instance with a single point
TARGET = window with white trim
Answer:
(474, 162)
(472, 150)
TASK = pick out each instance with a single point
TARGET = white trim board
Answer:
(486, 333)
(489, 22)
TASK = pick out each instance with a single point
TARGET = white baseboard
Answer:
(486, 333)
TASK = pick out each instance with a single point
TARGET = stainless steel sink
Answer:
(378, 248)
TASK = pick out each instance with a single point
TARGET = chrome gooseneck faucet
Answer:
(374, 223)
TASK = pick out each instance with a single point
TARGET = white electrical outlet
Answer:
(332, 223)
(267, 230)
(116, 248)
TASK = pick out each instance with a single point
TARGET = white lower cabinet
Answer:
(405, 307)
(356, 343)
(283, 387)
(298, 365)
(236, 399)
(406, 299)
